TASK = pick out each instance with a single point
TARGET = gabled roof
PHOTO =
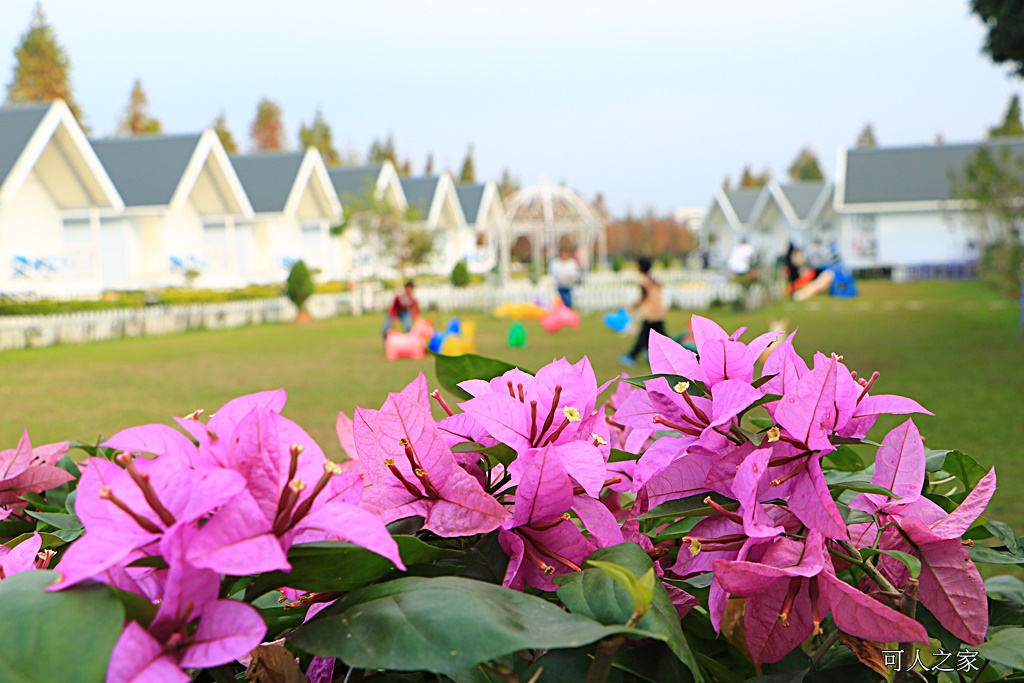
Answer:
(147, 170)
(743, 202)
(47, 138)
(802, 197)
(897, 175)
(17, 124)
(419, 192)
(158, 171)
(356, 181)
(471, 200)
(268, 179)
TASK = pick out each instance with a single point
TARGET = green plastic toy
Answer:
(517, 336)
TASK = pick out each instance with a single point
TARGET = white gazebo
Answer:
(544, 215)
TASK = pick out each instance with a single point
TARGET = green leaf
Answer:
(443, 625)
(341, 566)
(911, 562)
(690, 506)
(640, 589)
(1004, 533)
(934, 460)
(762, 422)
(503, 453)
(761, 381)
(696, 388)
(485, 561)
(846, 459)
(965, 468)
(451, 370)
(862, 487)
(622, 456)
(594, 594)
(58, 520)
(987, 555)
(48, 540)
(136, 607)
(1004, 613)
(674, 530)
(1010, 587)
(1005, 647)
(150, 561)
(12, 529)
(62, 636)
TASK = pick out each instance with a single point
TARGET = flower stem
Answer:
(870, 570)
(832, 639)
(908, 605)
(603, 658)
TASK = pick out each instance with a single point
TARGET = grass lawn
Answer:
(953, 347)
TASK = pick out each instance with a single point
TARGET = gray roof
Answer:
(743, 202)
(419, 192)
(912, 174)
(17, 124)
(802, 197)
(470, 199)
(268, 178)
(146, 170)
(354, 182)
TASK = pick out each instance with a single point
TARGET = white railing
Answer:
(600, 292)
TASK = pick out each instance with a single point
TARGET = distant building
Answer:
(439, 211)
(484, 215)
(364, 191)
(183, 201)
(294, 205)
(730, 219)
(53, 193)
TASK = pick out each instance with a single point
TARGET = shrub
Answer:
(460, 274)
(617, 263)
(300, 285)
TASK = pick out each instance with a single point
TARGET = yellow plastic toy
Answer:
(525, 310)
(462, 343)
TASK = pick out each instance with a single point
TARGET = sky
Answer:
(652, 103)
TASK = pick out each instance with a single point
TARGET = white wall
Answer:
(905, 239)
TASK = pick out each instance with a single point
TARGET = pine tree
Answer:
(1011, 125)
(318, 135)
(866, 139)
(468, 173)
(383, 151)
(428, 170)
(136, 119)
(267, 131)
(508, 184)
(220, 127)
(751, 180)
(42, 68)
(805, 166)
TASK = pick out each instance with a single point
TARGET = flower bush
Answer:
(702, 523)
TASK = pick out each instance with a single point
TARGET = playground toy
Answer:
(559, 316)
(526, 310)
(517, 336)
(458, 339)
(411, 344)
(618, 321)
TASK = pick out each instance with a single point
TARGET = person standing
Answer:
(404, 310)
(566, 272)
(650, 307)
(740, 257)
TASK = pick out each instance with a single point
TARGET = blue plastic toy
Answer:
(618, 321)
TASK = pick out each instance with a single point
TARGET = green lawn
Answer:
(952, 346)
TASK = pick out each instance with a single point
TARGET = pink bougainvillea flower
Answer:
(557, 407)
(719, 356)
(29, 470)
(24, 557)
(899, 467)
(412, 472)
(292, 494)
(540, 538)
(127, 508)
(793, 588)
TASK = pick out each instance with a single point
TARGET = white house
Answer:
(53, 191)
(797, 212)
(364, 191)
(182, 201)
(897, 206)
(438, 209)
(485, 215)
(294, 205)
(731, 218)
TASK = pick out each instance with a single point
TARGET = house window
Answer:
(215, 243)
(865, 237)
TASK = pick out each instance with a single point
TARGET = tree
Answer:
(428, 169)
(267, 131)
(1005, 22)
(42, 68)
(393, 232)
(468, 173)
(383, 151)
(805, 166)
(508, 184)
(318, 136)
(220, 127)
(750, 180)
(866, 139)
(299, 286)
(136, 119)
(1011, 125)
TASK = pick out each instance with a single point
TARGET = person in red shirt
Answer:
(404, 309)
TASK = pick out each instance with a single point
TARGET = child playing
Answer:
(651, 309)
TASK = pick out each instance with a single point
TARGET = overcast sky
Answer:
(652, 103)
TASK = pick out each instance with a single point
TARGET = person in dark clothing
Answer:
(403, 311)
(651, 309)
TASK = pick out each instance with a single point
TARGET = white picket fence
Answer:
(601, 292)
